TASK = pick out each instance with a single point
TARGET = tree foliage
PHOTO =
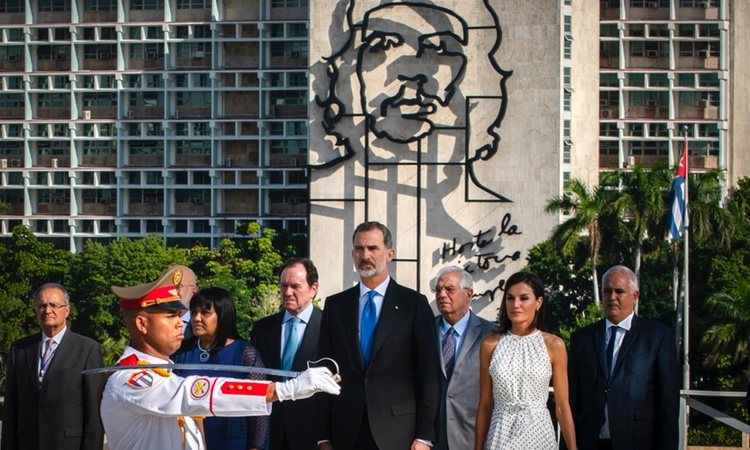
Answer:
(247, 267)
(630, 210)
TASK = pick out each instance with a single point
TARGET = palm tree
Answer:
(586, 209)
(731, 332)
(708, 217)
(642, 203)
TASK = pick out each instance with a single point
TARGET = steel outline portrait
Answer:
(411, 105)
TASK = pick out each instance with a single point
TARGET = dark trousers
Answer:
(365, 441)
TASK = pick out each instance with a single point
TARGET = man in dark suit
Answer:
(460, 333)
(49, 404)
(624, 388)
(292, 427)
(382, 336)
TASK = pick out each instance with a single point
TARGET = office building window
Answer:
(193, 4)
(146, 4)
(54, 5)
(54, 101)
(100, 5)
(11, 6)
(289, 3)
(11, 101)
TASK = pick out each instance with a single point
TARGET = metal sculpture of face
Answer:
(408, 73)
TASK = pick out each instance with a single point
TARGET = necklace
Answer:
(205, 352)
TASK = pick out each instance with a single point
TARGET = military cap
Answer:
(160, 294)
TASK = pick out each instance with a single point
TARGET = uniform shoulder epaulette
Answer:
(132, 360)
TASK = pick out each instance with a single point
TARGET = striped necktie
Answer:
(49, 352)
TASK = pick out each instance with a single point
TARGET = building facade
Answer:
(178, 117)
(589, 87)
(187, 118)
(670, 69)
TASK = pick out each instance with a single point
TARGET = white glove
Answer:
(307, 384)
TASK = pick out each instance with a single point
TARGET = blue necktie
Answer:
(292, 342)
(611, 347)
(449, 351)
(367, 327)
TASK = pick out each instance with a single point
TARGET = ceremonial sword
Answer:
(218, 367)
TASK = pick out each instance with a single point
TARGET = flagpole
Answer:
(686, 277)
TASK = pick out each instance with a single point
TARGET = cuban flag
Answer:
(678, 199)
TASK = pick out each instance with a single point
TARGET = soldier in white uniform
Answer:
(153, 409)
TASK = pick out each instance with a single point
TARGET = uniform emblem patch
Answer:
(141, 380)
(199, 388)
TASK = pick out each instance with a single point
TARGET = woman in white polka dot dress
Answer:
(516, 365)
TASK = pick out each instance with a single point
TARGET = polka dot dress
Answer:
(520, 370)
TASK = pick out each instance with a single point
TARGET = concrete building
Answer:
(178, 117)
(671, 65)
(189, 117)
(589, 87)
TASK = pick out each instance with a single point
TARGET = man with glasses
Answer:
(460, 333)
(49, 404)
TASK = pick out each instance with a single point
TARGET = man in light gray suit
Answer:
(459, 332)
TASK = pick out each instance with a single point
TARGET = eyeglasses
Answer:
(448, 289)
(52, 306)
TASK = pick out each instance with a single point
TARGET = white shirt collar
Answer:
(380, 289)
(57, 338)
(303, 316)
(459, 327)
(625, 323)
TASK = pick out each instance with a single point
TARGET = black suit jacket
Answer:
(641, 395)
(400, 388)
(291, 419)
(62, 413)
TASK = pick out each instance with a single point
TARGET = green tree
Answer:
(124, 262)
(710, 221)
(248, 268)
(730, 333)
(586, 208)
(566, 283)
(25, 264)
(642, 201)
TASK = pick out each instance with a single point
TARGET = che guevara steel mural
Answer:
(415, 93)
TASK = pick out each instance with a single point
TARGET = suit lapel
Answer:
(274, 359)
(599, 349)
(438, 333)
(627, 343)
(308, 344)
(32, 355)
(350, 322)
(389, 317)
(472, 333)
(63, 351)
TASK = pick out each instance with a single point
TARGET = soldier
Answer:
(152, 408)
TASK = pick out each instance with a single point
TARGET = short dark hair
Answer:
(312, 271)
(536, 285)
(38, 291)
(374, 225)
(221, 302)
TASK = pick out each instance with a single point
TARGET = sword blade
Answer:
(208, 367)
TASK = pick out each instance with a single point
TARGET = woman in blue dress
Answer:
(216, 340)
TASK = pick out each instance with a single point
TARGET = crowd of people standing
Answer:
(405, 378)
